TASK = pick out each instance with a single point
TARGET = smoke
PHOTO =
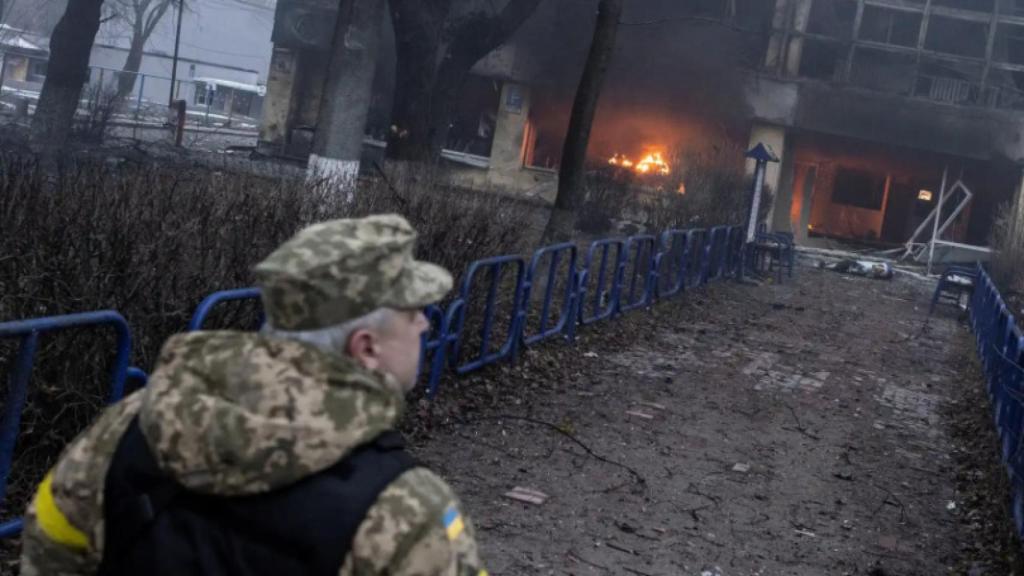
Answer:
(676, 80)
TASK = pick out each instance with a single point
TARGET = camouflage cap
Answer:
(339, 270)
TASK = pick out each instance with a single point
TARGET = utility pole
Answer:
(177, 45)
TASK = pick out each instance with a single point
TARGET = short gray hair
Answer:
(334, 339)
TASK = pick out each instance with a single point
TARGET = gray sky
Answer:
(235, 32)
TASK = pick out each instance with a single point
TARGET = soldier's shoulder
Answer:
(416, 527)
(421, 489)
(80, 473)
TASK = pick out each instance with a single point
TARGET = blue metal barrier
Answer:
(697, 258)
(639, 273)
(616, 276)
(718, 253)
(599, 291)
(566, 323)
(1000, 346)
(671, 263)
(29, 331)
(217, 298)
(495, 269)
(737, 251)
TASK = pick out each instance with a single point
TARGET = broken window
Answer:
(955, 36)
(1009, 44)
(887, 26)
(833, 18)
(948, 81)
(821, 59)
(883, 70)
(475, 117)
(859, 188)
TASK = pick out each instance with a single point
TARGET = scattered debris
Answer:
(743, 468)
(527, 495)
(640, 414)
(807, 533)
(653, 405)
(951, 506)
(590, 355)
(871, 269)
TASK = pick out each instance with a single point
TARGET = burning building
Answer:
(871, 105)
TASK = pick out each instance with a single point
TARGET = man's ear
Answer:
(362, 346)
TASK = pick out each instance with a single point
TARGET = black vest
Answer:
(155, 527)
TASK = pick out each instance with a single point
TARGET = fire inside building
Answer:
(877, 109)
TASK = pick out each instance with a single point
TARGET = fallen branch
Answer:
(639, 477)
(799, 425)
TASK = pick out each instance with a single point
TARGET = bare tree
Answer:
(436, 50)
(142, 16)
(67, 72)
(571, 183)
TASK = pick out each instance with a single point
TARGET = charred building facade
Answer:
(868, 103)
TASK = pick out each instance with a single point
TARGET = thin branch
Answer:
(639, 477)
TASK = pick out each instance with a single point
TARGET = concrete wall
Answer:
(871, 116)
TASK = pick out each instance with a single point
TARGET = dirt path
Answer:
(793, 429)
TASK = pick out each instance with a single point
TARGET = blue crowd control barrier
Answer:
(557, 287)
(696, 252)
(447, 341)
(1000, 347)
(29, 332)
(600, 280)
(639, 273)
(737, 250)
(544, 269)
(718, 253)
(671, 263)
(495, 269)
(216, 299)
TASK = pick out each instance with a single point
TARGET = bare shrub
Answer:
(1007, 265)
(151, 240)
(102, 102)
(708, 189)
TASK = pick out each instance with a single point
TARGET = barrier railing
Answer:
(549, 259)
(617, 275)
(600, 280)
(637, 281)
(671, 263)
(495, 268)
(1000, 347)
(29, 332)
(214, 300)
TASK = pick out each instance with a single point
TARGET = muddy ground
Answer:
(816, 427)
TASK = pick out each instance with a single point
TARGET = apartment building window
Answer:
(859, 188)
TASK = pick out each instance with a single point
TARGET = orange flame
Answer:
(652, 163)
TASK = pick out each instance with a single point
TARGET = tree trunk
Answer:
(431, 73)
(419, 26)
(130, 71)
(571, 173)
(67, 72)
(348, 89)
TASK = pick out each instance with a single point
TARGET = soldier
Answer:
(272, 452)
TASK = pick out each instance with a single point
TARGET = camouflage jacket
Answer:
(232, 413)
